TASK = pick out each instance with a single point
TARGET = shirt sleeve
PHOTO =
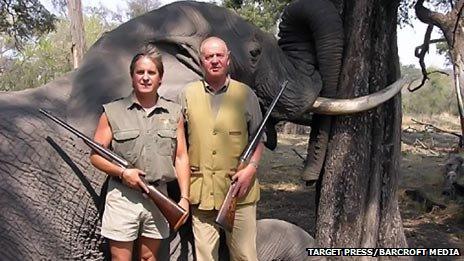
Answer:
(254, 115)
(182, 101)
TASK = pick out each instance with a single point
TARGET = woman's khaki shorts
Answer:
(129, 215)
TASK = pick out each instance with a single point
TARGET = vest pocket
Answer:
(125, 144)
(237, 145)
(166, 141)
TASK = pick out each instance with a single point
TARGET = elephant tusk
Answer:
(331, 106)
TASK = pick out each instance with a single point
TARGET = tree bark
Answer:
(77, 31)
(358, 205)
(454, 35)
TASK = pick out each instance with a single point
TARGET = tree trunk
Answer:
(358, 204)
(458, 72)
(455, 39)
(77, 31)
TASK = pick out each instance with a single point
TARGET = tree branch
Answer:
(298, 154)
(439, 40)
(427, 16)
(420, 53)
(428, 125)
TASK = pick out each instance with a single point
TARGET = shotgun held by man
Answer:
(226, 215)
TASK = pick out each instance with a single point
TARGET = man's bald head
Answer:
(213, 41)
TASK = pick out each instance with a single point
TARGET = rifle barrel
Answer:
(252, 145)
(107, 154)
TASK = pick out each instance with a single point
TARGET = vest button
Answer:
(214, 152)
(214, 132)
(212, 173)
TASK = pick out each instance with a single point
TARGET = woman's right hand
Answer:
(131, 178)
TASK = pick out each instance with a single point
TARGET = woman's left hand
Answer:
(185, 204)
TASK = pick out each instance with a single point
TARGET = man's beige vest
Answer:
(215, 144)
(147, 142)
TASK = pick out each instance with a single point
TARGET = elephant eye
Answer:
(255, 52)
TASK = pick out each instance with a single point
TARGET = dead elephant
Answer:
(50, 196)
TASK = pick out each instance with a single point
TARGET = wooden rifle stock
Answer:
(174, 214)
(226, 215)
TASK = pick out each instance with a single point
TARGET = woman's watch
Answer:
(121, 174)
(254, 164)
(186, 198)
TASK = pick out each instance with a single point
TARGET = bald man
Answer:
(221, 114)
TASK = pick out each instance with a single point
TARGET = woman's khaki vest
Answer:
(215, 144)
(146, 142)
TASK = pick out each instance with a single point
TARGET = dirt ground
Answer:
(429, 218)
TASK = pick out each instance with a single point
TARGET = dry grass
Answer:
(444, 120)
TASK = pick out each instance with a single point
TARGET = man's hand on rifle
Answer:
(243, 180)
(131, 177)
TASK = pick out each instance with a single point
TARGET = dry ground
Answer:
(429, 219)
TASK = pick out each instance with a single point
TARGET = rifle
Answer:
(226, 215)
(173, 213)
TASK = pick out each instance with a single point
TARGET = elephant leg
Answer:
(317, 148)
(271, 135)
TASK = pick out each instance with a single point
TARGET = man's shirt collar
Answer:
(132, 102)
(221, 90)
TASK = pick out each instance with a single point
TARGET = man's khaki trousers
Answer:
(241, 242)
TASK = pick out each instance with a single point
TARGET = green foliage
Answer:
(139, 7)
(108, 17)
(262, 13)
(40, 61)
(61, 6)
(95, 27)
(443, 49)
(47, 58)
(24, 19)
(435, 97)
(405, 13)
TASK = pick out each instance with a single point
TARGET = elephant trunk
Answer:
(315, 27)
(311, 32)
